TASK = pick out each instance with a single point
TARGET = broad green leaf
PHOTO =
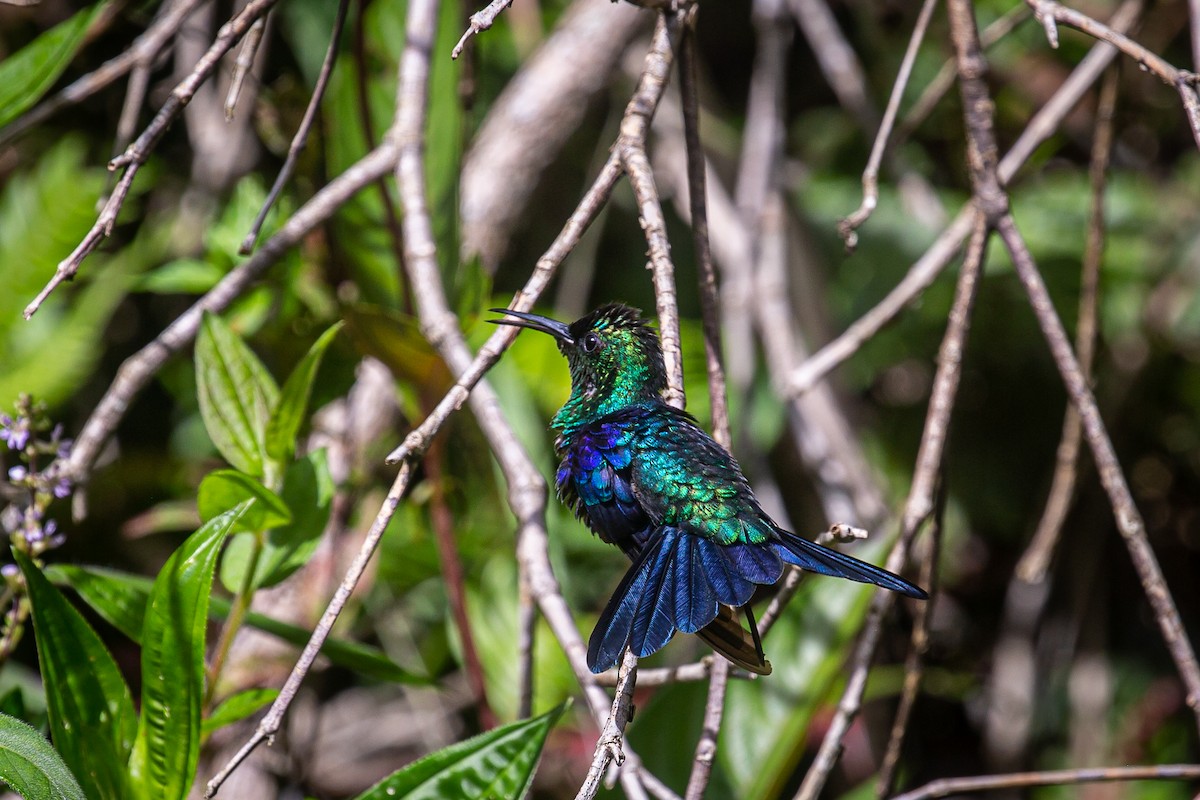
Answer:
(31, 767)
(91, 713)
(498, 763)
(293, 400)
(168, 738)
(27, 74)
(308, 492)
(224, 489)
(236, 396)
(120, 598)
(237, 707)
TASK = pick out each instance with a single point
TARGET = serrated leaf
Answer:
(27, 74)
(225, 489)
(90, 710)
(236, 396)
(498, 763)
(31, 767)
(293, 400)
(168, 739)
(237, 707)
(308, 492)
(120, 598)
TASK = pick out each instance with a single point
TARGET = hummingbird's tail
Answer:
(679, 582)
(815, 558)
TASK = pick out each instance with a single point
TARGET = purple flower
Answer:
(15, 432)
(62, 488)
(18, 474)
(9, 571)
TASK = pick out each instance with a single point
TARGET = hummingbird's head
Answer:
(614, 356)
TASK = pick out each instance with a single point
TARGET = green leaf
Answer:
(225, 489)
(293, 401)
(120, 598)
(91, 713)
(308, 492)
(26, 75)
(237, 707)
(31, 767)
(236, 396)
(499, 763)
(168, 738)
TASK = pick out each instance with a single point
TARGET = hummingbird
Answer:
(644, 476)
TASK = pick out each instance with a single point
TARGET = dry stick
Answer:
(140, 368)
(142, 52)
(870, 177)
(1194, 26)
(631, 145)
(684, 673)
(944, 79)
(944, 787)
(914, 663)
(245, 61)
(300, 140)
(706, 748)
(981, 138)
(136, 154)
(480, 22)
(929, 266)
(918, 507)
(609, 743)
(1051, 13)
(135, 96)
(1036, 558)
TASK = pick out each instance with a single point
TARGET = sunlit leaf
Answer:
(499, 763)
(173, 638)
(293, 400)
(237, 707)
(91, 713)
(31, 767)
(236, 395)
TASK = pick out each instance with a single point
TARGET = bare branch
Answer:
(945, 787)
(244, 63)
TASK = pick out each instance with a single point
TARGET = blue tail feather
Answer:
(754, 562)
(730, 587)
(815, 558)
(695, 603)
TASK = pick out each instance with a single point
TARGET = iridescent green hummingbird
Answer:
(645, 477)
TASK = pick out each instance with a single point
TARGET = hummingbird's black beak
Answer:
(534, 322)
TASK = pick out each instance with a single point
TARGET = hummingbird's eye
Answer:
(590, 343)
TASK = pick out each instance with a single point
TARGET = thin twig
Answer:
(1051, 13)
(631, 146)
(944, 787)
(480, 22)
(1036, 558)
(137, 153)
(608, 745)
(870, 177)
(244, 63)
(305, 128)
(836, 59)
